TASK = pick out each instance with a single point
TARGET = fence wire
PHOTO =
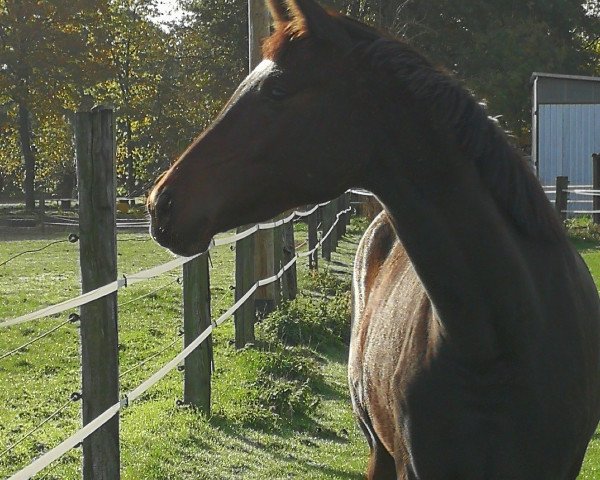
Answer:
(71, 239)
(36, 339)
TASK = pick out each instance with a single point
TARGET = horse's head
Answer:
(295, 132)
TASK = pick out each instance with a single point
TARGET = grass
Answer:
(280, 409)
(299, 428)
(585, 235)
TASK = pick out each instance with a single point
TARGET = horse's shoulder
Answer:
(375, 247)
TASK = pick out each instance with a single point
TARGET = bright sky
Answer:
(168, 10)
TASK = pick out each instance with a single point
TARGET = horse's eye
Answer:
(277, 93)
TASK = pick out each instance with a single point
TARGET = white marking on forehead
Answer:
(262, 70)
(265, 66)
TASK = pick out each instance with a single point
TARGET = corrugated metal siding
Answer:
(568, 135)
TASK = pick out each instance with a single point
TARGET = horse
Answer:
(475, 348)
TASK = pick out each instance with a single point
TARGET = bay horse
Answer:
(475, 350)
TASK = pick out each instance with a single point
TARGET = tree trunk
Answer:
(28, 156)
(130, 167)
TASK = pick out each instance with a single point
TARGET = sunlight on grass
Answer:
(159, 439)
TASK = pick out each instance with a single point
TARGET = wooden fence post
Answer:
(278, 261)
(341, 226)
(313, 260)
(196, 319)
(245, 316)
(329, 212)
(348, 215)
(265, 298)
(289, 281)
(596, 186)
(562, 197)
(95, 146)
(259, 24)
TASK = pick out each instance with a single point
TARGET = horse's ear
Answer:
(312, 18)
(279, 10)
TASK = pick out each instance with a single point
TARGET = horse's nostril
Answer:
(164, 203)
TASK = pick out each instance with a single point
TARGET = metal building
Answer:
(565, 127)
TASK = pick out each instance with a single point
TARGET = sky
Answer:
(168, 10)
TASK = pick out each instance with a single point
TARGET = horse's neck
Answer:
(464, 251)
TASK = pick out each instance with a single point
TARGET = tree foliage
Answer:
(49, 51)
(493, 46)
(167, 82)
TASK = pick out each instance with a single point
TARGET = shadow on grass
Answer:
(281, 450)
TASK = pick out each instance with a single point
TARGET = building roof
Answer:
(559, 76)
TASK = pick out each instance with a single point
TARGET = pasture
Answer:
(280, 409)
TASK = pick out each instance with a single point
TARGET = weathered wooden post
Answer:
(259, 28)
(247, 255)
(313, 260)
(277, 261)
(289, 281)
(348, 215)
(196, 319)
(329, 212)
(245, 316)
(562, 197)
(95, 146)
(265, 298)
(596, 186)
(341, 225)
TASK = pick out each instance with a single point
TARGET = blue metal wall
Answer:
(568, 135)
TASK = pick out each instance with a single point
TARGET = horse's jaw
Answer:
(182, 244)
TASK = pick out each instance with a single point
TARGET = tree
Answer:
(223, 25)
(493, 46)
(45, 49)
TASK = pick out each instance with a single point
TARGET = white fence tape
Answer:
(67, 304)
(146, 274)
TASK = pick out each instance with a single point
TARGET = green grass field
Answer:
(246, 436)
(160, 440)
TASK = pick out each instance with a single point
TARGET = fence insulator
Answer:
(73, 238)
(76, 396)
(74, 317)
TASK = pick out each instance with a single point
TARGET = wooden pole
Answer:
(259, 24)
(245, 316)
(95, 150)
(313, 260)
(265, 298)
(289, 283)
(259, 28)
(347, 216)
(196, 319)
(341, 226)
(278, 258)
(562, 197)
(329, 212)
(596, 186)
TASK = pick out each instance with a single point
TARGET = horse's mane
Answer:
(451, 108)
